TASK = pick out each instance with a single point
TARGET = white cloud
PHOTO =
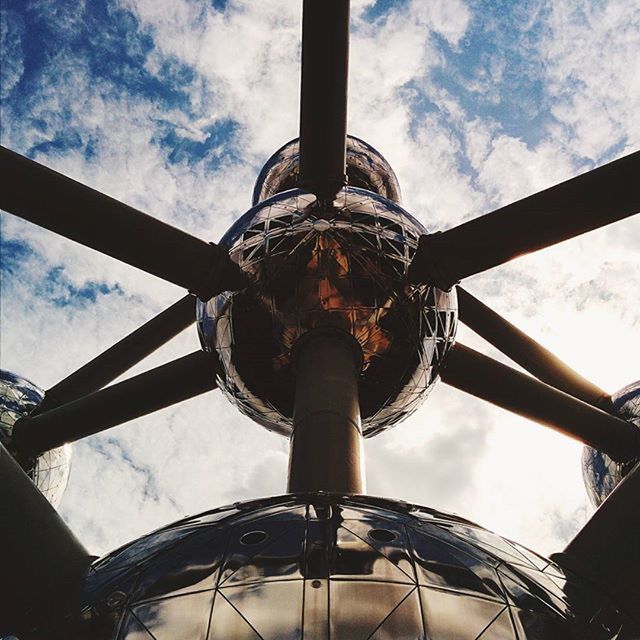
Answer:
(11, 31)
(591, 57)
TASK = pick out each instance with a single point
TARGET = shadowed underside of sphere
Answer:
(346, 568)
(50, 470)
(600, 473)
(343, 266)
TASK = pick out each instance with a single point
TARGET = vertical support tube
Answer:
(323, 99)
(43, 563)
(326, 445)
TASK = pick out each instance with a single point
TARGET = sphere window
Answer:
(253, 537)
(382, 535)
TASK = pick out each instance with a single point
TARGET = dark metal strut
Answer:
(75, 211)
(156, 389)
(505, 387)
(590, 201)
(123, 355)
(528, 353)
(607, 549)
(326, 444)
(323, 100)
(43, 563)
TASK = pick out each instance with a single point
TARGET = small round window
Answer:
(382, 535)
(253, 537)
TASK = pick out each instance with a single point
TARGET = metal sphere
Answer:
(320, 566)
(367, 169)
(341, 265)
(50, 470)
(600, 473)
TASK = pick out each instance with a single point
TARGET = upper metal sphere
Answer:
(328, 566)
(342, 265)
(50, 470)
(600, 473)
(366, 169)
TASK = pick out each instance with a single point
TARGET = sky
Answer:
(174, 106)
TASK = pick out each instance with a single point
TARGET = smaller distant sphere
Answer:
(600, 473)
(50, 470)
(341, 265)
(367, 169)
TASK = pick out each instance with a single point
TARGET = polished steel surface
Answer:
(49, 470)
(326, 445)
(601, 474)
(341, 266)
(329, 566)
(366, 168)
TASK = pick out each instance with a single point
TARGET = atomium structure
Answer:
(326, 313)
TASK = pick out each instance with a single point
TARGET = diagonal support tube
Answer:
(607, 548)
(156, 389)
(43, 563)
(566, 210)
(526, 352)
(505, 387)
(123, 355)
(75, 211)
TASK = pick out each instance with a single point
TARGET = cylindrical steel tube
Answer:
(140, 395)
(323, 101)
(528, 353)
(75, 211)
(123, 355)
(326, 445)
(505, 387)
(43, 563)
(607, 548)
(566, 210)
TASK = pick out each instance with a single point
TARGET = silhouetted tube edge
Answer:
(122, 356)
(527, 352)
(43, 563)
(505, 387)
(140, 395)
(607, 549)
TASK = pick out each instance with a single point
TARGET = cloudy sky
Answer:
(174, 106)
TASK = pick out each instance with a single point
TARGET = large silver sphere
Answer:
(342, 265)
(346, 568)
(367, 169)
(600, 473)
(50, 470)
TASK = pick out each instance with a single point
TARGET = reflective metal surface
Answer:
(319, 566)
(600, 473)
(366, 169)
(342, 265)
(50, 470)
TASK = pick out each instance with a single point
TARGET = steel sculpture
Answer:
(326, 313)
